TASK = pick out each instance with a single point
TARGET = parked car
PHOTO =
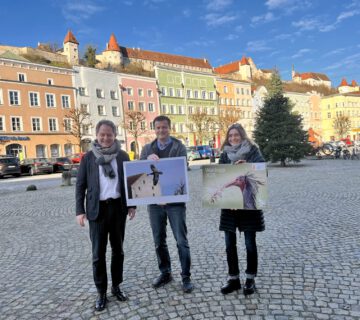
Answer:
(216, 152)
(192, 153)
(76, 158)
(9, 166)
(33, 166)
(61, 164)
(204, 151)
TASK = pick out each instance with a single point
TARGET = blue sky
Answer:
(317, 35)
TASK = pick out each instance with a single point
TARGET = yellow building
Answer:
(346, 104)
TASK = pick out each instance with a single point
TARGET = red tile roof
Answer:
(244, 61)
(70, 38)
(343, 83)
(112, 45)
(136, 53)
(314, 75)
(228, 68)
(353, 83)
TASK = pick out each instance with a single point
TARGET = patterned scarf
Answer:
(238, 152)
(104, 156)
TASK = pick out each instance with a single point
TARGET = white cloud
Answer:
(239, 28)
(258, 45)
(307, 24)
(350, 62)
(200, 43)
(218, 5)
(79, 11)
(283, 36)
(231, 37)
(346, 14)
(265, 18)
(215, 19)
(289, 6)
(334, 52)
(275, 4)
(300, 53)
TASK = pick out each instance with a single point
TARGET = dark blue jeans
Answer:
(232, 254)
(177, 218)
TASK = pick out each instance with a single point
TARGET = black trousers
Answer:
(109, 224)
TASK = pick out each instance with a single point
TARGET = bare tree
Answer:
(342, 125)
(135, 126)
(204, 124)
(226, 118)
(78, 118)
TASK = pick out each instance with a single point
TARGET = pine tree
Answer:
(278, 131)
(90, 57)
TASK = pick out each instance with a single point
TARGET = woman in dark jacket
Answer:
(237, 149)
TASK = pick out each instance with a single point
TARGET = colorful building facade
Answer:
(34, 103)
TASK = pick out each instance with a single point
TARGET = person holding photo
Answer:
(237, 149)
(165, 146)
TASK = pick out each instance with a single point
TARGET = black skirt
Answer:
(244, 220)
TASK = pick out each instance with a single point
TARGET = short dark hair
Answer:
(162, 118)
(105, 123)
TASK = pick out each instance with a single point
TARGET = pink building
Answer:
(139, 94)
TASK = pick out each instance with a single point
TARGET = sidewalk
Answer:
(309, 255)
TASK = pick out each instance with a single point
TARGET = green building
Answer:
(184, 93)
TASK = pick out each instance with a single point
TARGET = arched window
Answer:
(68, 149)
(55, 150)
(41, 151)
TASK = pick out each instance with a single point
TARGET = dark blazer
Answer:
(242, 219)
(88, 185)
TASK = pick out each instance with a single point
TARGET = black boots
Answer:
(100, 303)
(230, 286)
(249, 287)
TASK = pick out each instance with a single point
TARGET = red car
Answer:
(76, 158)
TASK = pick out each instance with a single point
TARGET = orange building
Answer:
(34, 102)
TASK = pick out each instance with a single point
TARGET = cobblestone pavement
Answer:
(309, 255)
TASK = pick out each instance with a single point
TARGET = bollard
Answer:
(66, 178)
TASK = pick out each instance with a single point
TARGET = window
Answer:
(131, 125)
(101, 110)
(34, 99)
(181, 127)
(115, 111)
(67, 126)
(203, 94)
(150, 93)
(141, 92)
(142, 125)
(188, 93)
(163, 109)
(82, 91)
(2, 123)
(22, 77)
(179, 93)
(171, 92)
(16, 124)
(40, 151)
(84, 108)
(14, 97)
(50, 82)
(196, 94)
(237, 102)
(1, 97)
(329, 115)
(100, 93)
(113, 95)
(163, 91)
(50, 100)
(152, 127)
(141, 106)
(65, 102)
(242, 90)
(211, 95)
(172, 109)
(86, 129)
(237, 90)
(190, 110)
(129, 91)
(247, 91)
(36, 124)
(131, 105)
(53, 124)
(180, 110)
(151, 107)
(225, 89)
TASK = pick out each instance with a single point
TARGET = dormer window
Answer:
(50, 82)
(22, 77)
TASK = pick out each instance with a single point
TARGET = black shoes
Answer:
(249, 287)
(118, 294)
(231, 286)
(187, 285)
(162, 280)
(100, 302)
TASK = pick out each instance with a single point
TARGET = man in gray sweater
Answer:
(165, 146)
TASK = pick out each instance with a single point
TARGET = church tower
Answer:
(112, 55)
(71, 48)
(245, 69)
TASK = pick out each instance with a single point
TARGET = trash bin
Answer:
(212, 159)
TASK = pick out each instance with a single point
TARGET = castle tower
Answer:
(292, 72)
(112, 54)
(71, 48)
(245, 69)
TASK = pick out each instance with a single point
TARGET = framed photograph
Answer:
(156, 182)
(242, 186)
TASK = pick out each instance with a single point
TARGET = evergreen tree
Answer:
(90, 57)
(278, 131)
